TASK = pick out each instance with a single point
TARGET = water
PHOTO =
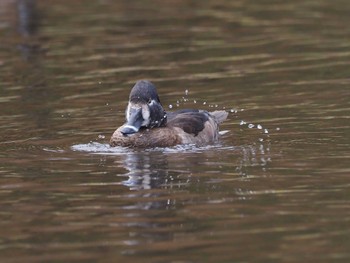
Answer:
(274, 189)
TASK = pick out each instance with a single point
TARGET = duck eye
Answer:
(149, 101)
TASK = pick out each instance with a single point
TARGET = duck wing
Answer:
(190, 121)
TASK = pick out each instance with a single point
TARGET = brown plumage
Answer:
(148, 125)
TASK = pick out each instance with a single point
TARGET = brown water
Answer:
(278, 191)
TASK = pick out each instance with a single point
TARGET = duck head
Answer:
(144, 109)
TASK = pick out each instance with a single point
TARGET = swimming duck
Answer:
(148, 125)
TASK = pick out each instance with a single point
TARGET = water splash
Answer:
(252, 125)
(106, 149)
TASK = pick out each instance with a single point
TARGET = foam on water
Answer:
(106, 149)
(99, 148)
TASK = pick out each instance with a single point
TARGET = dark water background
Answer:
(275, 189)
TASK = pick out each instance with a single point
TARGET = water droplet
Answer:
(259, 127)
(101, 136)
(194, 101)
(170, 106)
(100, 82)
(186, 92)
(204, 102)
(251, 125)
(266, 131)
(242, 123)
(261, 139)
(107, 104)
(216, 105)
(278, 128)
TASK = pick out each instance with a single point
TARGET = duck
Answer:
(148, 125)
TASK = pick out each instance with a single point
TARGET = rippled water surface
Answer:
(274, 189)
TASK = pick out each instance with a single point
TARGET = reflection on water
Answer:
(27, 20)
(144, 171)
(27, 17)
(144, 167)
(274, 189)
(148, 169)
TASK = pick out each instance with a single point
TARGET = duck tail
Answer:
(219, 115)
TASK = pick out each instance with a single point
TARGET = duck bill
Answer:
(134, 121)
